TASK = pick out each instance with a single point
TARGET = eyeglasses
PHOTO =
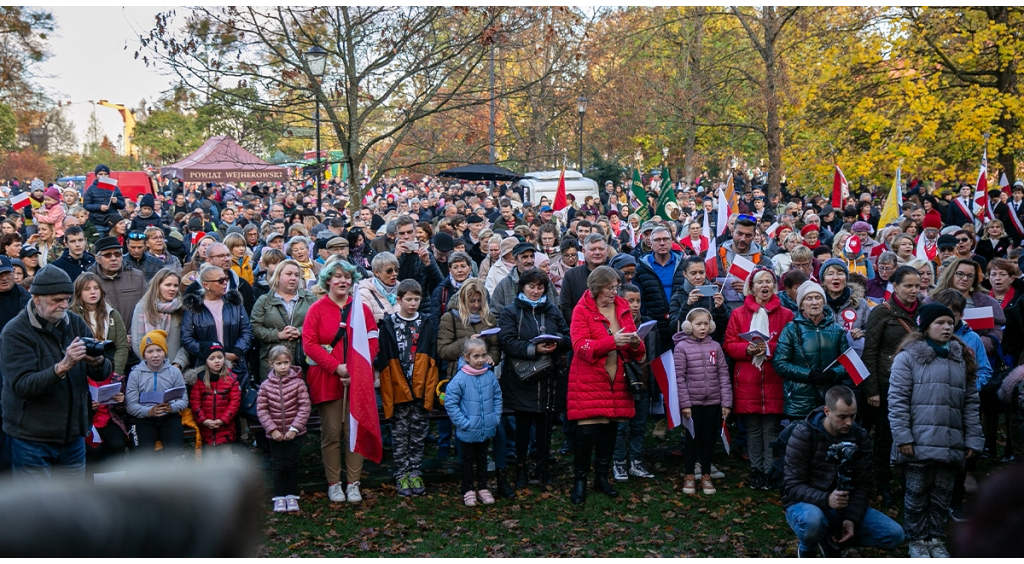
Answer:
(959, 240)
(963, 275)
(112, 255)
(389, 270)
(219, 281)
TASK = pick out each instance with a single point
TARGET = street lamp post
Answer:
(316, 58)
(581, 108)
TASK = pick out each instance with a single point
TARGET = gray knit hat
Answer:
(51, 280)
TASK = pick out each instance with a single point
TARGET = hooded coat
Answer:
(756, 390)
(933, 404)
(888, 324)
(474, 405)
(198, 326)
(220, 400)
(805, 346)
(593, 393)
(270, 316)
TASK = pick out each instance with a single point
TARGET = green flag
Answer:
(666, 194)
(638, 197)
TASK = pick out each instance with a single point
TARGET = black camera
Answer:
(845, 455)
(96, 348)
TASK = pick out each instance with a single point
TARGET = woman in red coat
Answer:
(694, 241)
(603, 337)
(757, 389)
(324, 341)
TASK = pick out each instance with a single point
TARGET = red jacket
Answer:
(686, 242)
(318, 331)
(591, 393)
(220, 401)
(756, 390)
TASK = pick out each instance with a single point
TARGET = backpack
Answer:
(777, 475)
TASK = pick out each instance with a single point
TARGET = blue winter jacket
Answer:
(474, 406)
(973, 341)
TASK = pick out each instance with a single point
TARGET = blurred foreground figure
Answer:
(147, 509)
(994, 525)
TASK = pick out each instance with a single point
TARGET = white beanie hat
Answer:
(806, 289)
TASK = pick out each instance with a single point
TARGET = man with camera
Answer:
(827, 482)
(45, 391)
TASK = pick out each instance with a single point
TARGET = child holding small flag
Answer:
(705, 393)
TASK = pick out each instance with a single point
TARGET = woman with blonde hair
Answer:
(160, 308)
(965, 276)
(241, 259)
(90, 303)
(926, 270)
(278, 315)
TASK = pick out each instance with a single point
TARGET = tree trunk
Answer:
(1007, 84)
(773, 130)
(695, 93)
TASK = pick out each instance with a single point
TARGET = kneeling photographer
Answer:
(45, 389)
(828, 482)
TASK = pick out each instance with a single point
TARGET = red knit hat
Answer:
(932, 219)
(810, 227)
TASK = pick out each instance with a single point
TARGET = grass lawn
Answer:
(649, 518)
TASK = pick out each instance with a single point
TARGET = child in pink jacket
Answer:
(51, 211)
(705, 393)
(283, 408)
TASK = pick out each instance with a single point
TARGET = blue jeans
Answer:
(811, 525)
(32, 461)
(632, 432)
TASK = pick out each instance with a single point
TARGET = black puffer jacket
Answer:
(519, 323)
(198, 326)
(680, 307)
(809, 479)
(96, 197)
(410, 267)
(655, 304)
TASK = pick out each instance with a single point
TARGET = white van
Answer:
(545, 183)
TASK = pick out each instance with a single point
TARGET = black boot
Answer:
(504, 489)
(887, 498)
(522, 477)
(584, 447)
(604, 448)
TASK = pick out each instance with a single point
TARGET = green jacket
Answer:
(270, 316)
(804, 346)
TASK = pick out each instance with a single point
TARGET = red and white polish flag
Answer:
(741, 267)
(979, 318)
(20, 201)
(111, 183)
(726, 438)
(854, 367)
(889, 288)
(364, 423)
(664, 370)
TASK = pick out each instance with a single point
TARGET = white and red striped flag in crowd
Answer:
(854, 367)
(741, 267)
(710, 260)
(364, 423)
(889, 290)
(840, 189)
(20, 201)
(726, 437)
(979, 318)
(663, 369)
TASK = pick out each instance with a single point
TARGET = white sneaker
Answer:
(636, 468)
(353, 493)
(970, 484)
(619, 472)
(292, 503)
(920, 549)
(280, 505)
(716, 474)
(335, 493)
(937, 549)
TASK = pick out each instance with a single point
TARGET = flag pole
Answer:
(831, 364)
(344, 401)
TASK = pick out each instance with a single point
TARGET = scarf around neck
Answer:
(474, 371)
(387, 291)
(534, 303)
(837, 303)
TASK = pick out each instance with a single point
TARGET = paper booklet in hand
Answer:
(754, 337)
(545, 338)
(156, 398)
(491, 331)
(645, 328)
(104, 394)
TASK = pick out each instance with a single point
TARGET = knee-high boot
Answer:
(585, 438)
(604, 449)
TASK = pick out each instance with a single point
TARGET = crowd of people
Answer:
(227, 311)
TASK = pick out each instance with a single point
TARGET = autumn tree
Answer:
(387, 67)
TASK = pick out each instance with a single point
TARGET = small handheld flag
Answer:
(854, 366)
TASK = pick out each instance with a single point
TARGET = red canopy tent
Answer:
(220, 159)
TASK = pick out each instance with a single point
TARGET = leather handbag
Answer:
(530, 370)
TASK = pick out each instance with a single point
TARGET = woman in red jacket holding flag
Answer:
(340, 379)
(604, 338)
(757, 393)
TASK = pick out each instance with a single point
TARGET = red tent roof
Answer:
(220, 159)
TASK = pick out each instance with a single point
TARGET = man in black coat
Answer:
(818, 511)
(595, 254)
(45, 387)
